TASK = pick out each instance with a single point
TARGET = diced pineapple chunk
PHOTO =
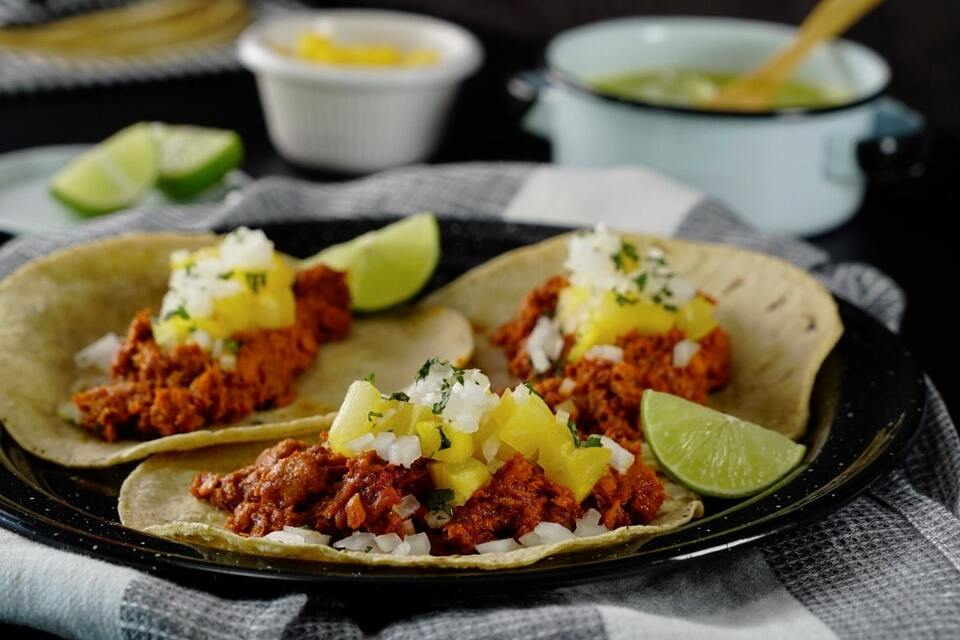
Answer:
(531, 427)
(612, 319)
(442, 442)
(462, 477)
(353, 418)
(577, 468)
(401, 418)
(696, 319)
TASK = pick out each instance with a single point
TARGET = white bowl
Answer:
(357, 119)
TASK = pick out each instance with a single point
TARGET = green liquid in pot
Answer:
(683, 87)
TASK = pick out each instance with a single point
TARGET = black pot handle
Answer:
(900, 147)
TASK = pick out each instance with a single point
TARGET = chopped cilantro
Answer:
(373, 414)
(189, 268)
(370, 377)
(641, 280)
(446, 389)
(256, 280)
(592, 441)
(622, 299)
(226, 275)
(629, 249)
(440, 500)
(533, 390)
(572, 427)
(368, 549)
(231, 346)
(444, 440)
(399, 395)
(425, 368)
(179, 312)
(670, 307)
(617, 261)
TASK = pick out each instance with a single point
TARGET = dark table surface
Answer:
(903, 228)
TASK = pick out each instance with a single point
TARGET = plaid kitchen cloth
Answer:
(885, 566)
(23, 71)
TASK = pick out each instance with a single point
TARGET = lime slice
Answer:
(112, 175)
(389, 265)
(193, 158)
(713, 453)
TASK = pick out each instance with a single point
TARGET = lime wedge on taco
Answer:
(193, 158)
(112, 175)
(713, 453)
(389, 265)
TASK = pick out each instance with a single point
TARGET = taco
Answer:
(592, 318)
(449, 473)
(229, 341)
(446, 473)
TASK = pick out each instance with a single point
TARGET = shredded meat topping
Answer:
(295, 484)
(517, 499)
(155, 392)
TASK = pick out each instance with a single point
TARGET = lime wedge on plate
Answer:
(112, 175)
(193, 158)
(713, 453)
(389, 265)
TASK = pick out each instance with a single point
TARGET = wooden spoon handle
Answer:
(756, 90)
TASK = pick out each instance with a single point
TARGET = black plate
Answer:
(866, 406)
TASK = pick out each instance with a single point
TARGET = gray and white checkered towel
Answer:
(886, 566)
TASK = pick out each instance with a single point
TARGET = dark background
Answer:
(905, 228)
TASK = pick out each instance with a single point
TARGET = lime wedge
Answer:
(110, 176)
(193, 158)
(389, 265)
(713, 453)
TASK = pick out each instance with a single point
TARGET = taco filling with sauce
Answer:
(590, 342)
(236, 327)
(445, 467)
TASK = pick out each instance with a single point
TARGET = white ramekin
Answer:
(365, 119)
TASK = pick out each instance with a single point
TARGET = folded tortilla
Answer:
(55, 305)
(156, 499)
(782, 322)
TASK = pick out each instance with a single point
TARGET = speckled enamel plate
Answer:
(866, 406)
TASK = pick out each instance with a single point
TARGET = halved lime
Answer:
(110, 176)
(713, 453)
(193, 158)
(389, 265)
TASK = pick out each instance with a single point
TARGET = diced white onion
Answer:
(382, 443)
(466, 402)
(405, 451)
(604, 352)
(567, 386)
(68, 411)
(99, 353)
(683, 291)
(228, 362)
(407, 506)
(419, 544)
(684, 351)
(362, 444)
(563, 417)
(298, 535)
(531, 539)
(544, 344)
(589, 524)
(490, 447)
(436, 519)
(550, 532)
(620, 458)
(202, 339)
(387, 542)
(357, 541)
(498, 546)
(402, 549)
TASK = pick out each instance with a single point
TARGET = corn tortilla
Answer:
(156, 499)
(55, 305)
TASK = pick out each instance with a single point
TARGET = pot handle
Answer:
(900, 146)
(528, 89)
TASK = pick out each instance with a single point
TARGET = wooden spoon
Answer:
(756, 90)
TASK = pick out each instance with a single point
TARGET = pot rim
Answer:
(557, 76)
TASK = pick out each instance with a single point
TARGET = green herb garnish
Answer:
(533, 390)
(373, 414)
(226, 275)
(622, 299)
(370, 377)
(256, 280)
(641, 281)
(440, 500)
(592, 441)
(425, 368)
(444, 440)
(399, 395)
(179, 312)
